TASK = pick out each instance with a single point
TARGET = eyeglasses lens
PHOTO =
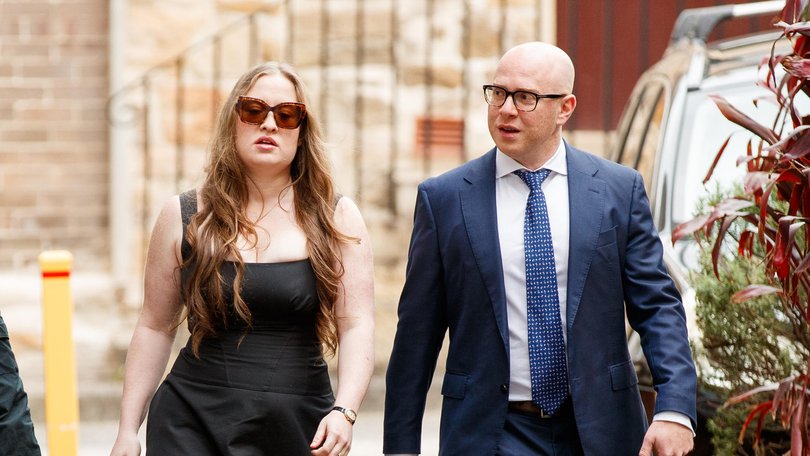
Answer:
(254, 112)
(524, 100)
(496, 96)
(288, 115)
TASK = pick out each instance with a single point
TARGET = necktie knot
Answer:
(534, 179)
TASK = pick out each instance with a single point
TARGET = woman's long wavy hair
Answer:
(214, 230)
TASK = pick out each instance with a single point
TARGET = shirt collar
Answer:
(505, 165)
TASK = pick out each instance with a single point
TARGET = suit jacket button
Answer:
(504, 388)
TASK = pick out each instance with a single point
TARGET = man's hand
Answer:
(665, 438)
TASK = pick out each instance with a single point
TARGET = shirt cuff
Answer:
(675, 417)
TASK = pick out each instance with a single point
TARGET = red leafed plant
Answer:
(775, 207)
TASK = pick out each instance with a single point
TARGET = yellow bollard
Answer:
(61, 401)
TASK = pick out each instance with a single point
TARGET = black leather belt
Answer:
(530, 408)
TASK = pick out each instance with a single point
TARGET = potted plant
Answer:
(741, 343)
(773, 209)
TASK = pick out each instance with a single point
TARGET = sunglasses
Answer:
(287, 115)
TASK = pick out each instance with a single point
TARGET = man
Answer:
(16, 429)
(532, 273)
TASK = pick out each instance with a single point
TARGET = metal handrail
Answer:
(173, 62)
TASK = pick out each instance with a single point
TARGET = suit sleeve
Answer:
(655, 311)
(420, 333)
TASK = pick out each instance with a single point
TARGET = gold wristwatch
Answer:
(351, 415)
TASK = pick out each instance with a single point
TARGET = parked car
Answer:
(670, 131)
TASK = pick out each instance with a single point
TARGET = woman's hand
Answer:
(333, 437)
(126, 445)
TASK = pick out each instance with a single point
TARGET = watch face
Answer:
(351, 414)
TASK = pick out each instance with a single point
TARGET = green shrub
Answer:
(743, 345)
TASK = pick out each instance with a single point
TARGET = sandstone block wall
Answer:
(54, 146)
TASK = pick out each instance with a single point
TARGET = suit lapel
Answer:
(481, 220)
(586, 195)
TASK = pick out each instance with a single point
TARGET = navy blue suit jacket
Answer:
(455, 282)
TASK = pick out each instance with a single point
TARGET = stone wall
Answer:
(54, 165)
(397, 58)
(53, 132)
(54, 147)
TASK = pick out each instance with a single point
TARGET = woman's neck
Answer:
(269, 188)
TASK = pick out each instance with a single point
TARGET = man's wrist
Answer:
(675, 417)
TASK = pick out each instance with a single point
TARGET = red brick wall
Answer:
(53, 131)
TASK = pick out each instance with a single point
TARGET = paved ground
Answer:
(96, 438)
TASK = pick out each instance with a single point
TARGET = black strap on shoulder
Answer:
(188, 207)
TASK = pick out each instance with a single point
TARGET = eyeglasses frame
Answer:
(271, 109)
(537, 96)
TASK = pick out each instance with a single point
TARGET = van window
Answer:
(705, 130)
(642, 136)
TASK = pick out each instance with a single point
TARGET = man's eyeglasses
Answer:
(523, 100)
(287, 115)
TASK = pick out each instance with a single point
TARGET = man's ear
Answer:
(569, 103)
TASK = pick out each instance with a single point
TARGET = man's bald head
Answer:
(541, 58)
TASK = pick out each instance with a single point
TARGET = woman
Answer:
(268, 265)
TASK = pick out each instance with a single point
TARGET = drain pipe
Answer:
(121, 236)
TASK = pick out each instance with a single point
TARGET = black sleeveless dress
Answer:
(257, 391)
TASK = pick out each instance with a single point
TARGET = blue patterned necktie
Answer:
(546, 344)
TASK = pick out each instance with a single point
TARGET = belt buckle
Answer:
(531, 408)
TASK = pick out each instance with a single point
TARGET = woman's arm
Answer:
(154, 332)
(354, 309)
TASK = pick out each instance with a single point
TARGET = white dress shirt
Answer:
(511, 195)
